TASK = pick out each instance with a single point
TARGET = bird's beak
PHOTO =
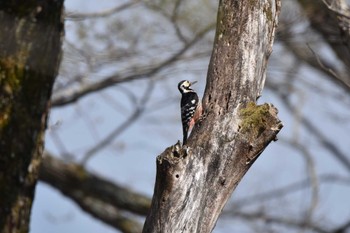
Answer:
(194, 82)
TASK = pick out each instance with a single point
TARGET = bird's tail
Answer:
(185, 135)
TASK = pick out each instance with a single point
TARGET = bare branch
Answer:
(302, 54)
(174, 18)
(106, 213)
(313, 180)
(299, 224)
(343, 228)
(324, 141)
(78, 17)
(117, 79)
(75, 182)
(132, 119)
(288, 190)
(333, 28)
(338, 7)
(328, 70)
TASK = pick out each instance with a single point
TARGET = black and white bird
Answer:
(191, 108)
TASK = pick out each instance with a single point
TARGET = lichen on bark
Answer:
(254, 119)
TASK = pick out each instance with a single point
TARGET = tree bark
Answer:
(194, 182)
(30, 45)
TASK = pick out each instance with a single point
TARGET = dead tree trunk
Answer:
(194, 182)
(30, 44)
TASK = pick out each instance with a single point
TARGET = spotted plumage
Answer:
(191, 108)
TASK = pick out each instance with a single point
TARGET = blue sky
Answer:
(130, 160)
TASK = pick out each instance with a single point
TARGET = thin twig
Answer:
(132, 119)
(174, 18)
(117, 79)
(299, 224)
(82, 16)
(327, 144)
(288, 190)
(328, 70)
(336, 11)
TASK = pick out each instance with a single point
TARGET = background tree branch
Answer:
(333, 28)
(99, 197)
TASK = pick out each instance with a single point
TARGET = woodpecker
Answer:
(191, 107)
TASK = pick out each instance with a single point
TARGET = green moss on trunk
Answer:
(254, 119)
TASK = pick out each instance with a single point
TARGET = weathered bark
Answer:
(194, 182)
(30, 43)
